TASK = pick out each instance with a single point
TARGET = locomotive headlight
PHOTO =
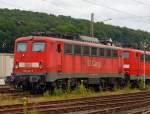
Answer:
(17, 65)
(35, 65)
(40, 65)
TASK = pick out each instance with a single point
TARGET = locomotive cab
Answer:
(30, 56)
(30, 61)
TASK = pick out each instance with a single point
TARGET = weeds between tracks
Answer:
(59, 94)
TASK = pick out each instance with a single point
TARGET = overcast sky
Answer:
(129, 13)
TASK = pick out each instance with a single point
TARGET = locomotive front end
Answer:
(29, 62)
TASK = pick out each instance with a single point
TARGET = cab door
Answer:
(127, 62)
(59, 55)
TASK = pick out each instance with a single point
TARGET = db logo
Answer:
(94, 63)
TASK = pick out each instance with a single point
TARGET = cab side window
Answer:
(86, 50)
(126, 55)
(68, 49)
(77, 49)
(114, 53)
(108, 52)
(101, 52)
(93, 51)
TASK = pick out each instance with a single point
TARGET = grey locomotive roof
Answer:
(89, 39)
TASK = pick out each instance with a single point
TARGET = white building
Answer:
(6, 64)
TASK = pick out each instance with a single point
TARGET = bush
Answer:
(46, 94)
(82, 90)
(58, 92)
(116, 88)
(141, 84)
(127, 88)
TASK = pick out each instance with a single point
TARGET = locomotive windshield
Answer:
(38, 46)
(22, 47)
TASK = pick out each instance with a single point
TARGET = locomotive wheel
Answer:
(37, 89)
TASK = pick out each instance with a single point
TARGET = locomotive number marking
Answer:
(28, 65)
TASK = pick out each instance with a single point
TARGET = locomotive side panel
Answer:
(116, 68)
(134, 63)
(145, 64)
(94, 65)
(84, 61)
(77, 62)
(68, 64)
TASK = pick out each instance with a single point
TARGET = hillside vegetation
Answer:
(16, 23)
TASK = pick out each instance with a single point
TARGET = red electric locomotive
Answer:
(135, 67)
(42, 62)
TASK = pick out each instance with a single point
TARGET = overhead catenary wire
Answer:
(110, 8)
(7, 3)
(114, 9)
(142, 3)
(134, 16)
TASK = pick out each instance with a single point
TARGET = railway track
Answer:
(13, 93)
(7, 89)
(121, 104)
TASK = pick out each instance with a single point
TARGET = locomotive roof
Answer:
(140, 51)
(45, 38)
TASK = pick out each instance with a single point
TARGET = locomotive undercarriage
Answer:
(44, 81)
(40, 83)
(34, 84)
